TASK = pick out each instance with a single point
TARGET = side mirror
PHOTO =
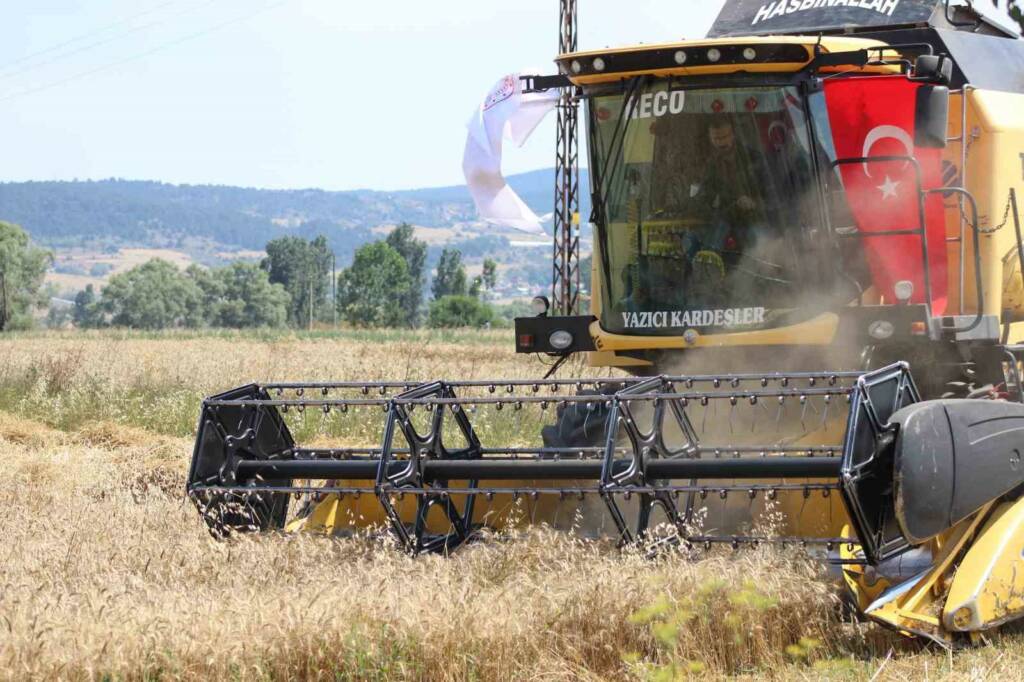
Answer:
(934, 68)
(931, 116)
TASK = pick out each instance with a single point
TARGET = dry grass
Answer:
(106, 573)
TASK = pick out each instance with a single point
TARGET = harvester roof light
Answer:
(656, 58)
(904, 290)
(540, 306)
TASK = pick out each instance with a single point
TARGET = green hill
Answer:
(201, 217)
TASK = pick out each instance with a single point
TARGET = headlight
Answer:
(881, 329)
(560, 339)
(540, 306)
(904, 290)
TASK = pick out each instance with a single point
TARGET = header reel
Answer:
(655, 446)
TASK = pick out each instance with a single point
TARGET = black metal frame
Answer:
(867, 468)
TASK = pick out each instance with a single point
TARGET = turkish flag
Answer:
(874, 116)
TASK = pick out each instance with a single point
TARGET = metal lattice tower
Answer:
(565, 280)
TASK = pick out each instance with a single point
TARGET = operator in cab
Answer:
(729, 193)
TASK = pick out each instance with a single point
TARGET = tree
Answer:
(402, 239)
(302, 267)
(450, 276)
(459, 311)
(373, 291)
(87, 312)
(22, 269)
(490, 274)
(154, 295)
(240, 295)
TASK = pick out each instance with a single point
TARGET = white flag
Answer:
(506, 112)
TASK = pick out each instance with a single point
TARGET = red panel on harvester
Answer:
(874, 116)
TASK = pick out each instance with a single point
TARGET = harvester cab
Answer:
(817, 184)
(835, 181)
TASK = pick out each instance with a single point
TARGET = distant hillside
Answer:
(152, 214)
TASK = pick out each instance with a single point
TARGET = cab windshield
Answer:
(709, 218)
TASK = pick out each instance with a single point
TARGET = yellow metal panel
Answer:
(864, 583)
(830, 44)
(820, 331)
(988, 587)
(914, 606)
(995, 142)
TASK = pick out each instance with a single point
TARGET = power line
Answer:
(143, 55)
(105, 41)
(88, 34)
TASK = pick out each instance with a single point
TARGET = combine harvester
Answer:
(817, 184)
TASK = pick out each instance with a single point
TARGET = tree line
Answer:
(385, 286)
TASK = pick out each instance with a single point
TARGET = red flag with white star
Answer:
(874, 116)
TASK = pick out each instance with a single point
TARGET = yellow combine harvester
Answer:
(817, 184)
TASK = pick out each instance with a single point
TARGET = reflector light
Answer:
(526, 340)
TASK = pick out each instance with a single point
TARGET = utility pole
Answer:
(334, 287)
(565, 280)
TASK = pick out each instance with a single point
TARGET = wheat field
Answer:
(106, 572)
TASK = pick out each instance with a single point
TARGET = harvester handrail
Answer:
(528, 383)
(719, 451)
(531, 399)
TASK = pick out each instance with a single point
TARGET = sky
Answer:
(330, 94)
